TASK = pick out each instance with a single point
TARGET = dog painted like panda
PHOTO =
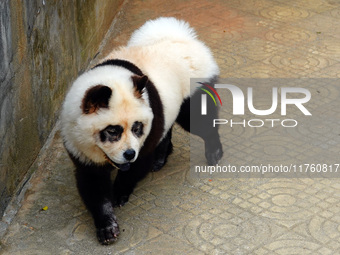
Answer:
(120, 114)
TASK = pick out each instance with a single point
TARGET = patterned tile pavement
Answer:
(172, 212)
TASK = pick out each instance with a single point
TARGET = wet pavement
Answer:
(172, 212)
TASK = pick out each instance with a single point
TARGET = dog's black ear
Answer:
(139, 83)
(95, 98)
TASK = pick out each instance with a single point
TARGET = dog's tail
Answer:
(160, 29)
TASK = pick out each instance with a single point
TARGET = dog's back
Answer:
(160, 29)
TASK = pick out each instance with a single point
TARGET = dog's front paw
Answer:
(109, 233)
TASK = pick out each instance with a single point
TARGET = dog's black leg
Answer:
(126, 181)
(202, 125)
(162, 152)
(94, 186)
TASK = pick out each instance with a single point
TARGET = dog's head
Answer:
(113, 119)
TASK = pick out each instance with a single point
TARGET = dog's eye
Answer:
(111, 133)
(137, 128)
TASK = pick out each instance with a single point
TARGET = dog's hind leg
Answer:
(201, 125)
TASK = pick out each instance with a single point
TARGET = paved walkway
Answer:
(173, 213)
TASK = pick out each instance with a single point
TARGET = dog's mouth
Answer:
(123, 167)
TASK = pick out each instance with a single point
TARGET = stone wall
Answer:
(43, 46)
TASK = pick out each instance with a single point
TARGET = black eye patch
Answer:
(111, 133)
(137, 128)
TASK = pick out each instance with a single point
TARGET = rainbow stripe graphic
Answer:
(209, 93)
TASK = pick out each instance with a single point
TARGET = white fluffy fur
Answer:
(162, 29)
(167, 51)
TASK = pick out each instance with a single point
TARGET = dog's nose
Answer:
(129, 154)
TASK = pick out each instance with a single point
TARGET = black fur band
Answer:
(122, 63)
